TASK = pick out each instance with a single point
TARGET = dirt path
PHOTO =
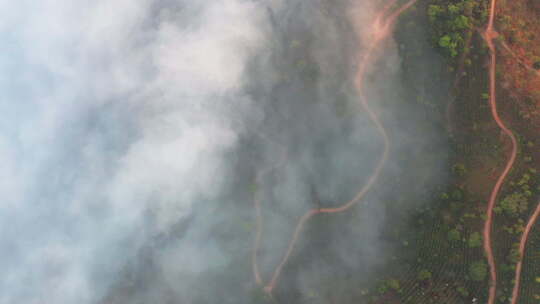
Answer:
(522, 243)
(382, 28)
(489, 35)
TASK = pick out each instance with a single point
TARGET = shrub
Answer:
(478, 271)
(475, 240)
(434, 11)
(424, 275)
(459, 169)
(462, 291)
(393, 283)
(454, 235)
(457, 194)
(514, 203)
(449, 44)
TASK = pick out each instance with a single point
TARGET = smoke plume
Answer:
(133, 134)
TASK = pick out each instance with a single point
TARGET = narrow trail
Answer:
(489, 35)
(382, 28)
(536, 214)
(522, 243)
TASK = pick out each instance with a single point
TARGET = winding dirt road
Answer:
(382, 28)
(536, 214)
(522, 243)
(489, 35)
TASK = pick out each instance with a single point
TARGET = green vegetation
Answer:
(390, 284)
(451, 20)
(424, 275)
(475, 240)
(478, 271)
(454, 235)
(517, 202)
(462, 291)
(460, 169)
(513, 204)
(514, 255)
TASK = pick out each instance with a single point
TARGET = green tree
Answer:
(475, 240)
(445, 41)
(460, 23)
(458, 168)
(449, 44)
(478, 271)
(454, 235)
(424, 275)
(434, 11)
(514, 203)
(454, 9)
(514, 255)
(457, 194)
(394, 284)
(462, 291)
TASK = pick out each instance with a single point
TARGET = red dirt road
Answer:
(382, 28)
(522, 243)
(489, 35)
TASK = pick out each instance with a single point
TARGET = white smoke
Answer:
(112, 112)
(131, 133)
